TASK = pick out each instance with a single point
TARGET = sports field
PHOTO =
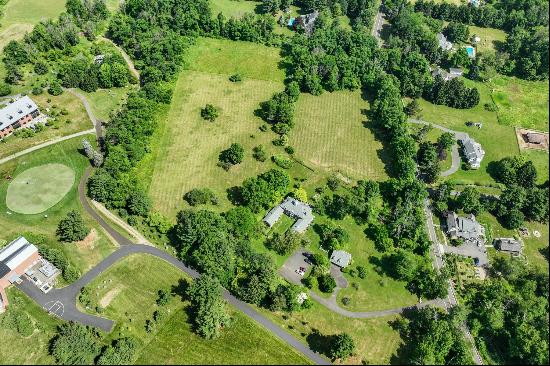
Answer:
(21, 15)
(128, 291)
(330, 135)
(37, 189)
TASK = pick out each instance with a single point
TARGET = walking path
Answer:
(95, 121)
(45, 144)
(455, 165)
(126, 57)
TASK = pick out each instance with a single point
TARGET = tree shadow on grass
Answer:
(234, 195)
(180, 289)
(383, 154)
(319, 343)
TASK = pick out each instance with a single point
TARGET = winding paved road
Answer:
(455, 155)
(62, 302)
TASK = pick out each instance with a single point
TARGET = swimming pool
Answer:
(471, 51)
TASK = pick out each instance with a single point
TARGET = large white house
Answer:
(18, 114)
(473, 152)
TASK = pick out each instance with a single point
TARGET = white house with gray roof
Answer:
(473, 152)
(293, 208)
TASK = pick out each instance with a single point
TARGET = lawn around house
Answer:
(128, 291)
(12, 225)
(75, 121)
(490, 38)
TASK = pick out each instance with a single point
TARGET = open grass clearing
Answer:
(137, 280)
(18, 350)
(187, 149)
(13, 224)
(75, 121)
(375, 340)
(490, 38)
(105, 101)
(225, 57)
(22, 15)
(330, 135)
(37, 189)
(521, 103)
(234, 8)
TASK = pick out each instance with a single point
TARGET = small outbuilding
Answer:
(508, 245)
(341, 258)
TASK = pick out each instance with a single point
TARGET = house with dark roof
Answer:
(508, 245)
(293, 208)
(535, 138)
(306, 22)
(473, 152)
(18, 114)
(466, 228)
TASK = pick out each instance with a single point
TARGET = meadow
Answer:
(491, 38)
(21, 15)
(234, 8)
(128, 292)
(331, 135)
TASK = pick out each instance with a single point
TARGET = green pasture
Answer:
(219, 56)
(234, 8)
(128, 292)
(37, 189)
(332, 135)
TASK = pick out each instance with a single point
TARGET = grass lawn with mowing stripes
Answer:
(332, 134)
(37, 189)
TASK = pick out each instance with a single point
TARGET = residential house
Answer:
(18, 114)
(307, 21)
(451, 74)
(473, 152)
(465, 228)
(443, 42)
(293, 208)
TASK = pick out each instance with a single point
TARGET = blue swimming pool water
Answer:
(471, 51)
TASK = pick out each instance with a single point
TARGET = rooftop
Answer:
(443, 42)
(16, 110)
(14, 254)
(341, 258)
(473, 152)
(510, 245)
(466, 228)
(296, 209)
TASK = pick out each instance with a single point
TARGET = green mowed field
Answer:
(330, 135)
(37, 189)
(490, 38)
(234, 8)
(128, 292)
(82, 255)
(521, 103)
(18, 350)
(219, 56)
(105, 101)
(375, 341)
(21, 15)
(75, 121)
(188, 148)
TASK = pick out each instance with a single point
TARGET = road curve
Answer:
(455, 156)
(65, 298)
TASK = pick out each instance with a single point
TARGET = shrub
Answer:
(235, 78)
(55, 88)
(72, 228)
(289, 150)
(198, 196)
(5, 89)
(327, 283)
(259, 153)
(233, 155)
(346, 301)
(361, 272)
(37, 90)
(282, 162)
(209, 113)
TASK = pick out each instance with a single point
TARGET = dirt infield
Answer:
(524, 143)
